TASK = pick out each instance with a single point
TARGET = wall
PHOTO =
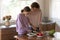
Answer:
(47, 5)
(44, 5)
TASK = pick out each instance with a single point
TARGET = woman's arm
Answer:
(31, 24)
(40, 21)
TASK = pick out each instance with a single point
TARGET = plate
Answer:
(39, 36)
(31, 34)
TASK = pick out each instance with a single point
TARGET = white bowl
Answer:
(31, 34)
(39, 36)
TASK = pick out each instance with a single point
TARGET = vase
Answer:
(7, 23)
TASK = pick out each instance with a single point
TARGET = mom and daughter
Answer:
(29, 19)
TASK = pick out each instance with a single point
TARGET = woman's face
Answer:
(33, 9)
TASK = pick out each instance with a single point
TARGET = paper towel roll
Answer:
(57, 35)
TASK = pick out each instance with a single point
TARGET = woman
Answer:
(36, 15)
(22, 22)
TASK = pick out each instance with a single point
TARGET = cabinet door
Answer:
(13, 33)
(44, 27)
(47, 27)
(51, 26)
(8, 33)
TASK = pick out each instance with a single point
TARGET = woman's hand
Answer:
(34, 28)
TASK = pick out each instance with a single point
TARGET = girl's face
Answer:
(26, 12)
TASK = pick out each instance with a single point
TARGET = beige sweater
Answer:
(35, 17)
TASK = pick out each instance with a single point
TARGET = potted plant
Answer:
(7, 20)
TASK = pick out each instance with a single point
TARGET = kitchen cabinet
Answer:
(47, 26)
(7, 33)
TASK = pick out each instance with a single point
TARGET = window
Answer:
(13, 7)
(55, 9)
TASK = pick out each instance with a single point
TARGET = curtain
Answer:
(55, 9)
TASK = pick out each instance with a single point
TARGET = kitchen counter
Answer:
(4, 27)
(25, 37)
(47, 26)
(48, 22)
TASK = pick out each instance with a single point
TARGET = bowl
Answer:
(39, 36)
(31, 34)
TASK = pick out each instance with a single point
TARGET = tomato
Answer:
(40, 34)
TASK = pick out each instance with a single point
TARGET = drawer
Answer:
(8, 36)
(51, 26)
(8, 31)
(47, 27)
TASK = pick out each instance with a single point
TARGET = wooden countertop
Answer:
(4, 27)
(25, 37)
(48, 22)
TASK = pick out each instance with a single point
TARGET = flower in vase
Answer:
(7, 17)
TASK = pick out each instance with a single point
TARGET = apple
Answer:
(40, 34)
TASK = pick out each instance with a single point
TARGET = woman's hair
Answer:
(22, 10)
(35, 5)
(27, 9)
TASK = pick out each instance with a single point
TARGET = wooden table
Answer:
(25, 37)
